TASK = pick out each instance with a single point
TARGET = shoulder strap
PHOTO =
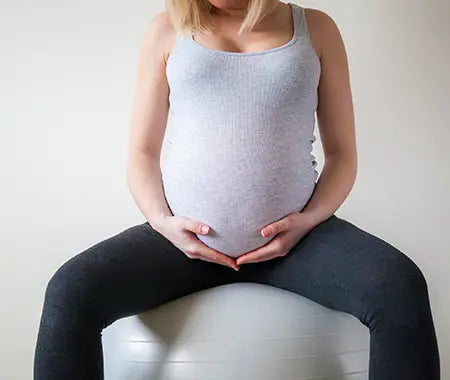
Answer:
(296, 17)
(303, 24)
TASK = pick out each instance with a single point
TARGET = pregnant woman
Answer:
(239, 198)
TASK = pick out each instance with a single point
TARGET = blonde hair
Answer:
(191, 16)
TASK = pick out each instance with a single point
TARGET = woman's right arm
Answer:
(148, 122)
(148, 125)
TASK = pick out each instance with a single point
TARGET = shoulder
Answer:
(159, 35)
(323, 30)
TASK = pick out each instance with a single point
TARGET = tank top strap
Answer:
(300, 19)
(180, 39)
(296, 17)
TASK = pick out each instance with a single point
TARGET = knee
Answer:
(415, 282)
(67, 288)
(406, 277)
(398, 292)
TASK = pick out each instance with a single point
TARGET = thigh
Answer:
(341, 266)
(131, 272)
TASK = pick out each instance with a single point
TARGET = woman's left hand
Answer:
(288, 230)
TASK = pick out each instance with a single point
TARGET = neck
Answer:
(237, 10)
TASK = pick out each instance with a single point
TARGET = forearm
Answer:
(333, 186)
(145, 184)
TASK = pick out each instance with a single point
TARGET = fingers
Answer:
(194, 226)
(252, 257)
(266, 252)
(276, 227)
(203, 252)
(209, 253)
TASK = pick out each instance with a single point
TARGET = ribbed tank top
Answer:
(241, 129)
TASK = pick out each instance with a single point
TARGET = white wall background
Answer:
(67, 77)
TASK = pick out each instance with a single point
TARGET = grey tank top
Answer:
(241, 128)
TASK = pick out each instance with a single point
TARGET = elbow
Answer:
(140, 158)
(349, 158)
(346, 160)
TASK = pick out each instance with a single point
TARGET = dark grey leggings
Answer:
(336, 264)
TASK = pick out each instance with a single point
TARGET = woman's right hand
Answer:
(181, 233)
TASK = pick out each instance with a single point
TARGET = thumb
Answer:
(195, 226)
(275, 227)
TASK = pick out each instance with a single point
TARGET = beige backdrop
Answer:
(67, 80)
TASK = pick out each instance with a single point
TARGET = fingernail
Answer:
(204, 229)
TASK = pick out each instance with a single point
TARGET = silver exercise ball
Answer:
(238, 331)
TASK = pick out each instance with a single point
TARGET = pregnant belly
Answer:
(236, 196)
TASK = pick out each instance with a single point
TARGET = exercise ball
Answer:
(237, 331)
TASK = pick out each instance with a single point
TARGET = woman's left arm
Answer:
(337, 132)
(335, 119)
